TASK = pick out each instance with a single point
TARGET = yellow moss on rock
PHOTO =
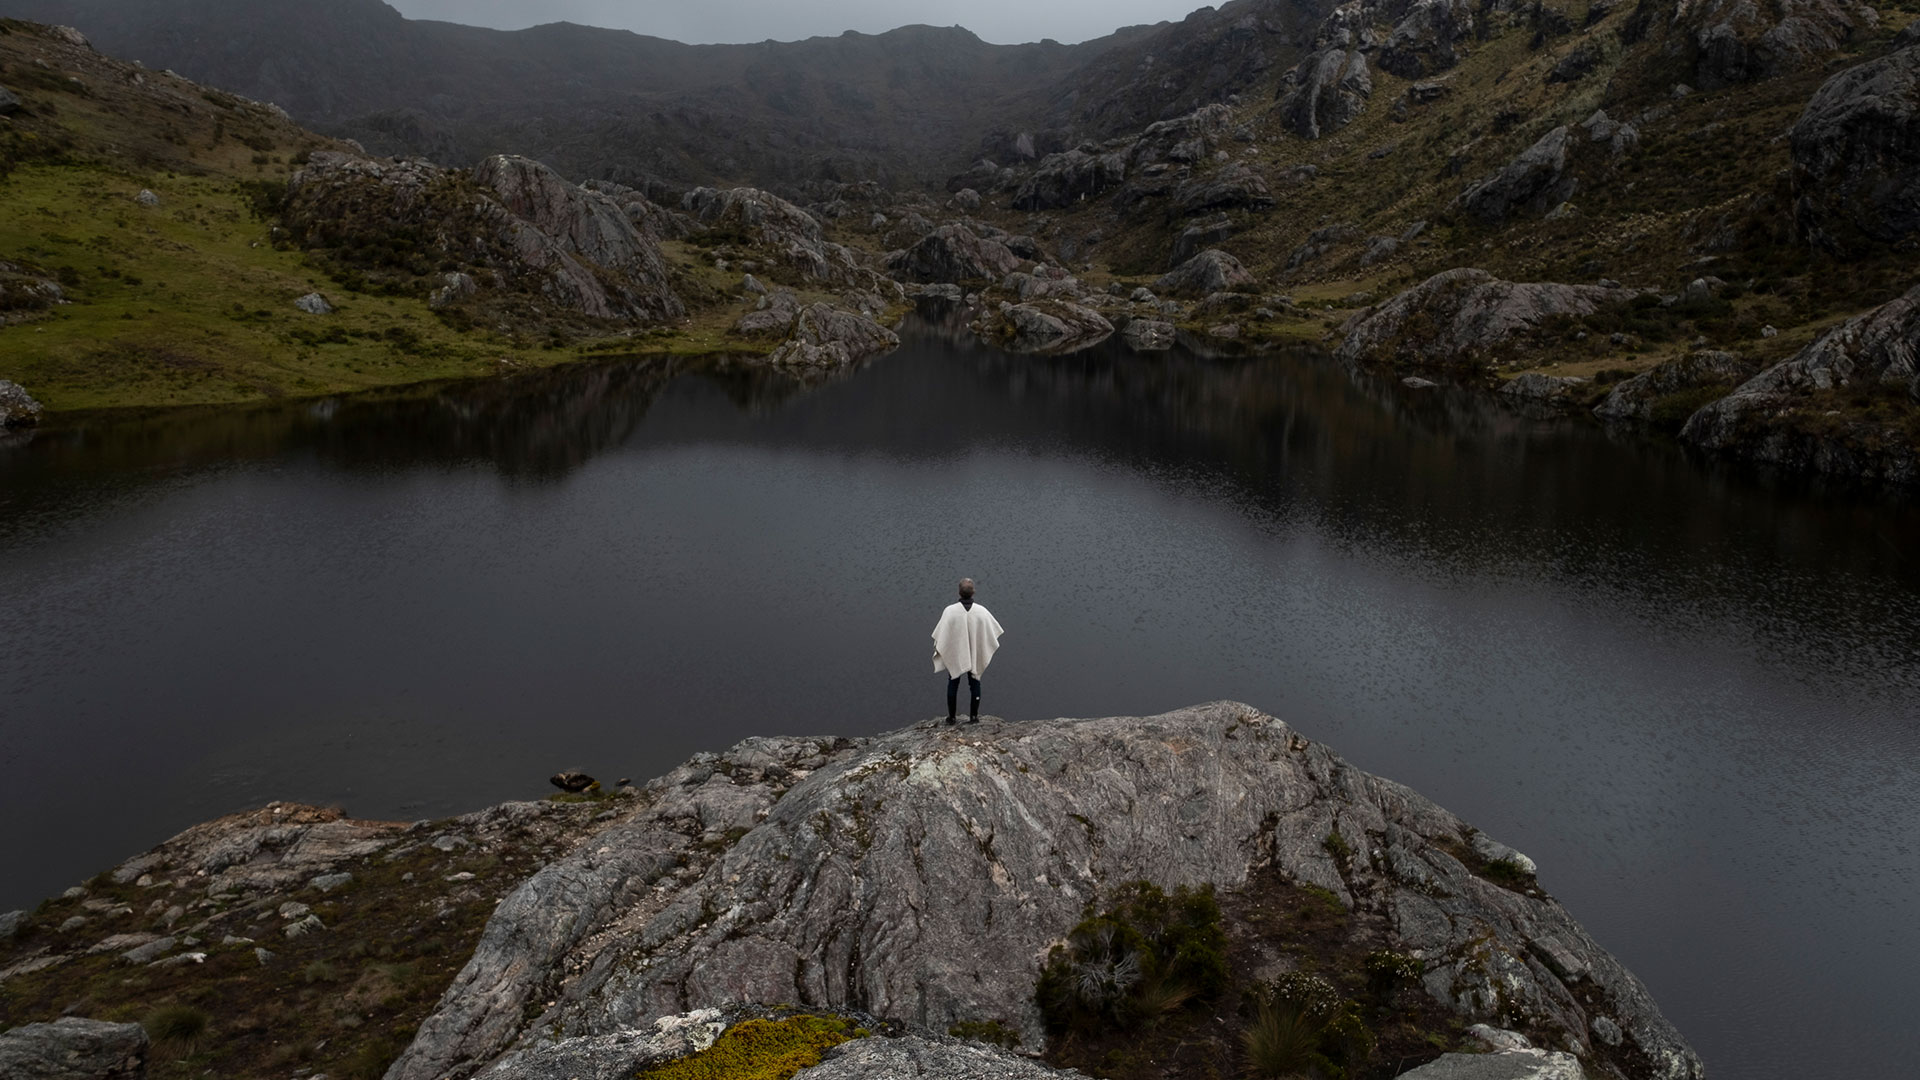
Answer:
(759, 1050)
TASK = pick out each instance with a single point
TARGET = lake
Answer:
(1690, 692)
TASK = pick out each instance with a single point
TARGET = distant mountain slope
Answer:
(903, 106)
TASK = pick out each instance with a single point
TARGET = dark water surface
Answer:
(1692, 697)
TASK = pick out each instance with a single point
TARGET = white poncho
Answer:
(964, 640)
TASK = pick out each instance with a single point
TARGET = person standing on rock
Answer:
(963, 644)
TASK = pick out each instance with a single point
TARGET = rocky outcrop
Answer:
(837, 891)
(348, 204)
(74, 1049)
(1061, 180)
(9, 102)
(25, 292)
(790, 235)
(1533, 183)
(1618, 136)
(827, 337)
(1209, 272)
(1856, 154)
(17, 407)
(1737, 41)
(1682, 380)
(1230, 187)
(775, 313)
(1328, 91)
(1790, 415)
(1430, 38)
(953, 253)
(1456, 316)
(1201, 235)
(1183, 140)
(648, 216)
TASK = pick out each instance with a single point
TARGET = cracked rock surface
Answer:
(921, 876)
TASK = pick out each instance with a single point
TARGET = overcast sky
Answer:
(705, 21)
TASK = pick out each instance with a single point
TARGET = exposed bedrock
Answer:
(1856, 154)
(1456, 316)
(921, 876)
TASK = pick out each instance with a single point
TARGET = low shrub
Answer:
(1149, 955)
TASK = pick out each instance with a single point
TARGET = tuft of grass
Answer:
(177, 1026)
(1282, 1041)
(1146, 957)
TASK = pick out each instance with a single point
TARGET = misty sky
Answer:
(704, 21)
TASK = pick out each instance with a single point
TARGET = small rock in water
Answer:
(572, 780)
(314, 304)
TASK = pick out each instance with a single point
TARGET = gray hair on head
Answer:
(966, 588)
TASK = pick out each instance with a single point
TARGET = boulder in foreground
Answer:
(922, 876)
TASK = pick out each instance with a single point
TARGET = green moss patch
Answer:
(760, 1050)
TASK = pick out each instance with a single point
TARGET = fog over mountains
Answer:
(906, 107)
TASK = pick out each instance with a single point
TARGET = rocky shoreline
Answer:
(912, 882)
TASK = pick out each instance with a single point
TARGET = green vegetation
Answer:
(1143, 959)
(986, 1031)
(760, 1050)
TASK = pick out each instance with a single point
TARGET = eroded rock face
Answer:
(1064, 179)
(1462, 313)
(1738, 41)
(1774, 417)
(17, 407)
(918, 1058)
(1429, 39)
(1533, 183)
(1230, 187)
(1638, 397)
(1211, 271)
(953, 253)
(841, 889)
(341, 200)
(1328, 91)
(74, 1049)
(1856, 154)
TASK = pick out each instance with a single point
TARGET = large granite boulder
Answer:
(953, 253)
(828, 337)
(1061, 180)
(1325, 93)
(587, 224)
(1051, 327)
(1456, 316)
(648, 216)
(1737, 41)
(1209, 272)
(1856, 154)
(1675, 381)
(1533, 183)
(74, 1049)
(1779, 416)
(822, 873)
(17, 407)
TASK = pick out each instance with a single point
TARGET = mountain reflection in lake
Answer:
(1689, 694)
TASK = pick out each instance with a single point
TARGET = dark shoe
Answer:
(949, 721)
(973, 719)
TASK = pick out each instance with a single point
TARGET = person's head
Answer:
(966, 588)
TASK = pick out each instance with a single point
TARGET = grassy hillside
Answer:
(186, 300)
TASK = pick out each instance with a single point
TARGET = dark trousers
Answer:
(953, 693)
